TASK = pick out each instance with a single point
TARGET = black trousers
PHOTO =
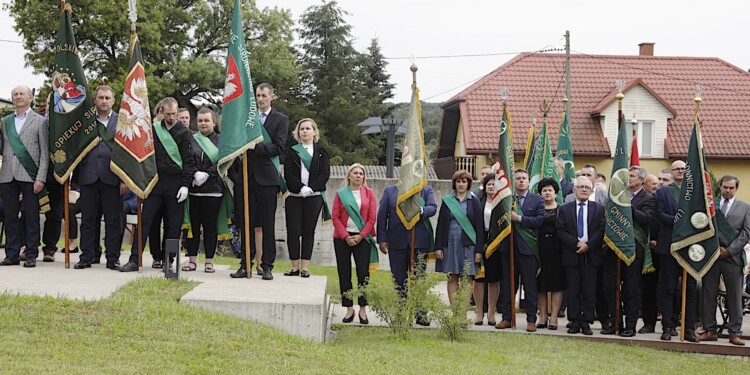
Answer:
(400, 261)
(581, 291)
(600, 304)
(11, 192)
(649, 294)
(669, 273)
(526, 266)
(262, 215)
(155, 242)
(203, 214)
(344, 253)
(53, 217)
(96, 200)
(163, 197)
(630, 296)
(301, 220)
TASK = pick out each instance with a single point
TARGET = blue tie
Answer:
(519, 198)
(580, 219)
(263, 118)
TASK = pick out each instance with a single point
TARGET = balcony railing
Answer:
(445, 167)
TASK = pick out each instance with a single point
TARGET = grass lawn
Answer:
(143, 329)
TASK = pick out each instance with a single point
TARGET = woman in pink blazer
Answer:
(354, 214)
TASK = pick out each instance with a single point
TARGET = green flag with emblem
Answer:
(502, 199)
(619, 233)
(412, 175)
(564, 149)
(240, 125)
(695, 241)
(72, 115)
(543, 165)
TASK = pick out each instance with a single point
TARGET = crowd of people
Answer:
(566, 267)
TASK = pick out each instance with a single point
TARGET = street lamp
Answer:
(391, 125)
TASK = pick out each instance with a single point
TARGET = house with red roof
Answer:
(659, 103)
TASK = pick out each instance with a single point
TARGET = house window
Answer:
(645, 133)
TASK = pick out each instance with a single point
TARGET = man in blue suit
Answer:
(669, 270)
(395, 240)
(101, 192)
(580, 229)
(526, 262)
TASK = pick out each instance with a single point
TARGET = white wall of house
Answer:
(651, 115)
(459, 148)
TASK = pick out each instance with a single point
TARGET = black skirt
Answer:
(552, 276)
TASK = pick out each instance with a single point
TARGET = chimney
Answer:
(646, 49)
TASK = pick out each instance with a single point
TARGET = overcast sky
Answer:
(430, 29)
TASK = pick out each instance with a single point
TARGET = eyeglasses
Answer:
(584, 187)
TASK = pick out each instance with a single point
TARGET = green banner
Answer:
(240, 125)
(695, 241)
(502, 199)
(543, 165)
(564, 149)
(72, 114)
(619, 233)
(412, 175)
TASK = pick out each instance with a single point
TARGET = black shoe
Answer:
(240, 274)
(666, 336)
(82, 264)
(608, 331)
(348, 319)
(267, 275)
(646, 329)
(74, 250)
(586, 329)
(673, 332)
(113, 265)
(574, 328)
(424, 322)
(10, 262)
(22, 256)
(627, 333)
(129, 267)
(561, 314)
(291, 273)
(363, 321)
(259, 271)
(690, 335)
(96, 260)
(607, 325)
(304, 273)
(30, 263)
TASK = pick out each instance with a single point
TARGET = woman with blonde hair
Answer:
(354, 215)
(306, 170)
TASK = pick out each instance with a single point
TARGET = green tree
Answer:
(334, 82)
(184, 43)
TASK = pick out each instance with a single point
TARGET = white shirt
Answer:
(487, 215)
(104, 120)
(350, 226)
(304, 173)
(585, 237)
(20, 120)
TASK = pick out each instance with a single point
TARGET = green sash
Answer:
(168, 142)
(275, 161)
(26, 161)
(642, 238)
(307, 160)
(455, 207)
(227, 203)
(350, 205)
(726, 230)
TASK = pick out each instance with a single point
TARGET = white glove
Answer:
(182, 194)
(200, 178)
(305, 191)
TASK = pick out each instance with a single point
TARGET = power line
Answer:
(11, 41)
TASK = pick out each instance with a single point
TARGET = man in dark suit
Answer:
(643, 207)
(395, 240)
(100, 190)
(580, 228)
(729, 265)
(669, 270)
(33, 133)
(526, 262)
(169, 194)
(264, 183)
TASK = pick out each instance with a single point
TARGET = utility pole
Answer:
(567, 73)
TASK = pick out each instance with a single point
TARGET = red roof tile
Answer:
(532, 77)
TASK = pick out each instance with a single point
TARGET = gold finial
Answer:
(413, 69)
(545, 107)
(504, 93)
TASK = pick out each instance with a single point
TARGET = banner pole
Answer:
(140, 235)
(617, 297)
(246, 214)
(682, 310)
(66, 215)
(512, 282)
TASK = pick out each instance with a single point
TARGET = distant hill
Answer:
(431, 115)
